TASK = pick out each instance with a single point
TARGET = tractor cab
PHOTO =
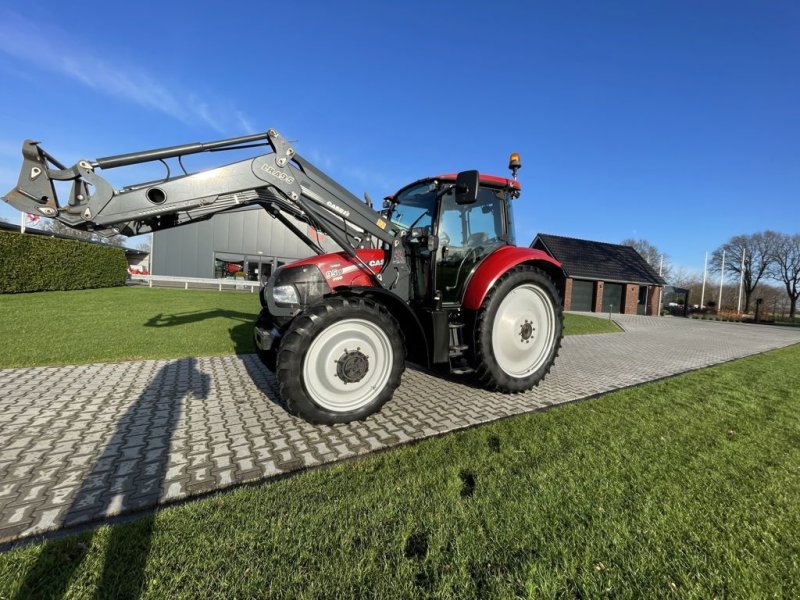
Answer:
(452, 222)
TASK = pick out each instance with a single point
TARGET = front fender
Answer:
(500, 261)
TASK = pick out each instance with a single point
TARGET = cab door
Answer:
(467, 234)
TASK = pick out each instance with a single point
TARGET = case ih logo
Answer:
(338, 209)
(375, 263)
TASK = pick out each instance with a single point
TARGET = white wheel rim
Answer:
(322, 381)
(523, 331)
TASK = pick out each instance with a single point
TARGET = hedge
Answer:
(35, 263)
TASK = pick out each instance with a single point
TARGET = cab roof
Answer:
(487, 180)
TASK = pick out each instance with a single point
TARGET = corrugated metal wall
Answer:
(189, 251)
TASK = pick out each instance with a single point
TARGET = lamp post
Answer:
(703, 293)
(721, 278)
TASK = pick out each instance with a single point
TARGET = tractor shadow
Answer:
(241, 334)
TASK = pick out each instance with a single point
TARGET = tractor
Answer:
(433, 278)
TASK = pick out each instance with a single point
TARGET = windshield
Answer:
(415, 207)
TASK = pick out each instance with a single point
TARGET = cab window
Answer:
(478, 225)
(415, 207)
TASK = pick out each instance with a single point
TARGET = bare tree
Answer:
(757, 250)
(657, 260)
(785, 266)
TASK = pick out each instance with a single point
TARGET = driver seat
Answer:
(479, 238)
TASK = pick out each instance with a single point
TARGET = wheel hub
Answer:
(352, 366)
(526, 331)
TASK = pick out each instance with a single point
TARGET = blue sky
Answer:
(677, 122)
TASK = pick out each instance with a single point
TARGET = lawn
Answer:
(128, 323)
(688, 487)
(583, 325)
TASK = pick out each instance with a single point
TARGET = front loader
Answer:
(434, 278)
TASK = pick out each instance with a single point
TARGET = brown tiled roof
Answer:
(585, 259)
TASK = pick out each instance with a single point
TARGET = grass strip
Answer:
(583, 325)
(128, 323)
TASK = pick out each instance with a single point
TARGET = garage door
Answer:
(612, 297)
(582, 292)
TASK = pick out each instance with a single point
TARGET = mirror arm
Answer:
(445, 189)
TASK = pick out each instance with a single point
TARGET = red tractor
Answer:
(434, 278)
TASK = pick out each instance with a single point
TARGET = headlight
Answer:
(299, 286)
(285, 294)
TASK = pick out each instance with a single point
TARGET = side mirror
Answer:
(467, 187)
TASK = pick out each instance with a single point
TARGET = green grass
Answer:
(582, 325)
(57, 328)
(793, 322)
(52, 328)
(688, 487)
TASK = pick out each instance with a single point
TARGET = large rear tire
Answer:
(518, 330)
(340, 361)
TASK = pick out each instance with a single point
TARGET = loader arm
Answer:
(282, 182)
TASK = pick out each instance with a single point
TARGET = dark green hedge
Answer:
(35, 263)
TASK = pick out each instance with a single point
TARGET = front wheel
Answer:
(340, 361)
(518, 330)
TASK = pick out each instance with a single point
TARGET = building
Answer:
(603, 277)
(247, 243)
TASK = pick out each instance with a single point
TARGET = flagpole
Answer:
(741, 281)
(703, 293)
(721, 277)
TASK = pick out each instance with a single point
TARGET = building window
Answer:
(227, 269)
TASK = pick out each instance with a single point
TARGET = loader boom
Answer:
(282, 182)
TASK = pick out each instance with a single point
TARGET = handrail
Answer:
(239, 283)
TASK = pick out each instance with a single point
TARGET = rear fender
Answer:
(500, 261)
(416, 340)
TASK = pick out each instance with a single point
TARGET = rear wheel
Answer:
(518, 330)
(340, 361)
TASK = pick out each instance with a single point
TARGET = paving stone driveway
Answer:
(81, 443)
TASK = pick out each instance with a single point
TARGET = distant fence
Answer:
(199, 283)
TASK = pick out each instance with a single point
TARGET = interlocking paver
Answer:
(81, 443)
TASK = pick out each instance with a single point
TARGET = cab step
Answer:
(457, 350)
(458, 363)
